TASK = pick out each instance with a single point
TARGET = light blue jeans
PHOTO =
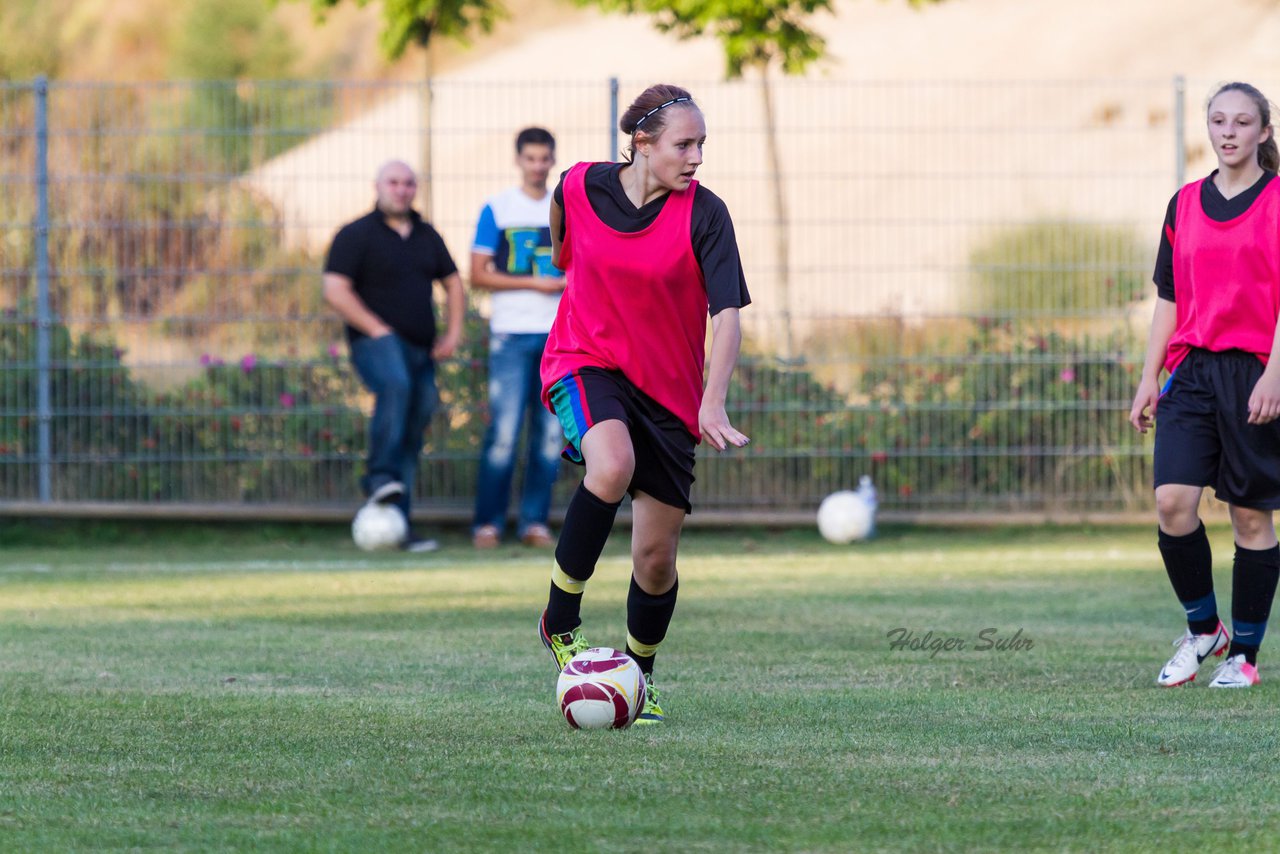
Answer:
(402, 377)
(515, 390)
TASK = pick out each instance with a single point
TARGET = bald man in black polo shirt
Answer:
(378, 278)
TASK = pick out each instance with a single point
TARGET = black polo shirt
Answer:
(393, 275)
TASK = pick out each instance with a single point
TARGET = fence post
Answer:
(44, 315)
(1180, 130)
(613, 119)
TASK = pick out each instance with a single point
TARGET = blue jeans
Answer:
(515, 389)
(402, 377)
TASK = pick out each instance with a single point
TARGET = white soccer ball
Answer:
(600, 688)
(845, 516)
(379, 526)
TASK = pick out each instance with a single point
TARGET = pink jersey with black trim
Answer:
(633, 302)
(1226, 277)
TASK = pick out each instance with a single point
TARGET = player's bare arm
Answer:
(1264, 401)
(556, 220)
(713, 421)
(1163, 321)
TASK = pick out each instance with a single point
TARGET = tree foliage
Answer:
(753, 33)
(415, 22)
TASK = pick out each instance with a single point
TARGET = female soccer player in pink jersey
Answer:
(1215, 331)
(647, 253)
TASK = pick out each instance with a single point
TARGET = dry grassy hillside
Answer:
(142, 40)
(924, 133)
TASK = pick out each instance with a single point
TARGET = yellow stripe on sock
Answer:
(644, 650)
(564, 582)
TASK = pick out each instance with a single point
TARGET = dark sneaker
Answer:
(388, 492)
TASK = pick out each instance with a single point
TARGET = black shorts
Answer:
(664, 450)
(1203, 437)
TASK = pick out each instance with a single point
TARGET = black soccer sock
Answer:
(587, 523)
(1189, 562)
(648, 617)
(1253, 578)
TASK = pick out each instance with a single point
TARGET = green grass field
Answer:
(229, 688)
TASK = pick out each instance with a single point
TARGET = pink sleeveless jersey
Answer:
(1226, 276)
(635, 303)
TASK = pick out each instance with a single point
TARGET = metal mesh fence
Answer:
(951, 283)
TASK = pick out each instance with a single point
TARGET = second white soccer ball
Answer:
(379, 526)
(845, 516)
(600, 688)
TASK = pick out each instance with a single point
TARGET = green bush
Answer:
(1019, 420)
(239, 432)
(1060, 268)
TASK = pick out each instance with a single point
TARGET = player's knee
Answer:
(1176, 513)
(609, 478)
(655, 565)
(1251, 525)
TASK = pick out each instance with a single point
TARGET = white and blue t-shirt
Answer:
(515, 230)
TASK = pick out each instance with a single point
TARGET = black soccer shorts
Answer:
(1203, 437)
(664, 450)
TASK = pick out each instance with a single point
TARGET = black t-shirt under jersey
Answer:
(393, 275)
(1217, 207)
(714, 243)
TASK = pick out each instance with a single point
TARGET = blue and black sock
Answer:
(1253, 579)
(1189, 561)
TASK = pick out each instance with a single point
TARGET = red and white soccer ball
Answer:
(600, 688)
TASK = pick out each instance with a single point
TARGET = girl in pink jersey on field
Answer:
(1215, 332)
(647, 253)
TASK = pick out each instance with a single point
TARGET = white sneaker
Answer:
(1192, 650)
(1235, 672)
(418, 545)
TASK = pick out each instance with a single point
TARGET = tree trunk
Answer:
(781, 221)
(425, 179)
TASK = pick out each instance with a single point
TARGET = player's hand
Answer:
(550, 285)
(446, 345)
(716, 430)
(1144, 405)
(1264, 402)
